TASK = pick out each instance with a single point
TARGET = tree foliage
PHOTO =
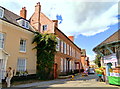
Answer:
(46, 48)
(97, 60)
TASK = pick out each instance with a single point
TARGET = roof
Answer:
(113, 38)
(67, 38)
(83, 52)
(12, 18)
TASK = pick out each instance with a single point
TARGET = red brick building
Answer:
(84, 59)
(67, 58)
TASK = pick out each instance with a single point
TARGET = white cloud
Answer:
(91, 57)
(86, 17)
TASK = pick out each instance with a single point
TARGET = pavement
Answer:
(79, 81)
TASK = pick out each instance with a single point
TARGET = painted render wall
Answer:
(13, 34)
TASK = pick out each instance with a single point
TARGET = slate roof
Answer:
(12, 18)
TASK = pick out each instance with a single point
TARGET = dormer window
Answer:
(44, 27)
(1, 13)
(23, 23)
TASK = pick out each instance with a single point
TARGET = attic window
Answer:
(1, 13)
(23, 23)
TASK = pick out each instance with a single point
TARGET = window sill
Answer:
(1, 48)
(22, 51)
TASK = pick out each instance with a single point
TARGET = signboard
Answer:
(111, 58)
(115, 74)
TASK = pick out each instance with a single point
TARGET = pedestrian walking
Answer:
(9, 76)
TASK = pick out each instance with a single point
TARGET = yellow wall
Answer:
(13, 34)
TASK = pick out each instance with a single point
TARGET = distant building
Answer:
(84, 59)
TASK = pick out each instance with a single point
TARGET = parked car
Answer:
(91, 71)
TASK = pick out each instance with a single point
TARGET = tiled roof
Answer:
(113, 38)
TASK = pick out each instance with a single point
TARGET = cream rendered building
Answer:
(16, 48)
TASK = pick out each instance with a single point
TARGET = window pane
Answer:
(23, 23)
(64, 48)
(65, 65)
(58, 44)
(1, 40)
(27, 26)
(1, 13)
(44, 27)
(22, 45)
(61, 46)
(21, 65)
(61, 65)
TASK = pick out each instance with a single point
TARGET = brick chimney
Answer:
(35, 18)
(38, 8)
(23, 12)
(71, 38)
(55, 23)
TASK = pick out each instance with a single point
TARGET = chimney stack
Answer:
(23, 12)
(71, 38)
(38, 8)
(56, 23)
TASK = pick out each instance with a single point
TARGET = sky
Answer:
(90, 21)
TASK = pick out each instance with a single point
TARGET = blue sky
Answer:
(90, 21)
(89, 42)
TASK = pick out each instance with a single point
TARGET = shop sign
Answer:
(115, 74)
(110, 58)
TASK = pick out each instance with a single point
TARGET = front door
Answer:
(55, 70)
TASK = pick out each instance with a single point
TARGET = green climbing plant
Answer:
(46, 49)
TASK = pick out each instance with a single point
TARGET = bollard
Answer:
(82, 75)
(72, 77)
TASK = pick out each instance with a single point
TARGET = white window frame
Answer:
(23, 47)
(61, 46)
(21, 64)
(65, 48)
(45, 27)
(2, 39)
(65, 65)
(61, 65)
(68, 49)
(58, 44)
(70, 64)
(24, 23)
(2, 12)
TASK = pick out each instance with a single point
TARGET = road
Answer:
(79, 81)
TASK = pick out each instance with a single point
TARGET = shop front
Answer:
(114, 77)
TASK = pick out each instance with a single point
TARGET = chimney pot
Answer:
(23, 12)
(38, 3)
(38, 8)
(71, 38)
